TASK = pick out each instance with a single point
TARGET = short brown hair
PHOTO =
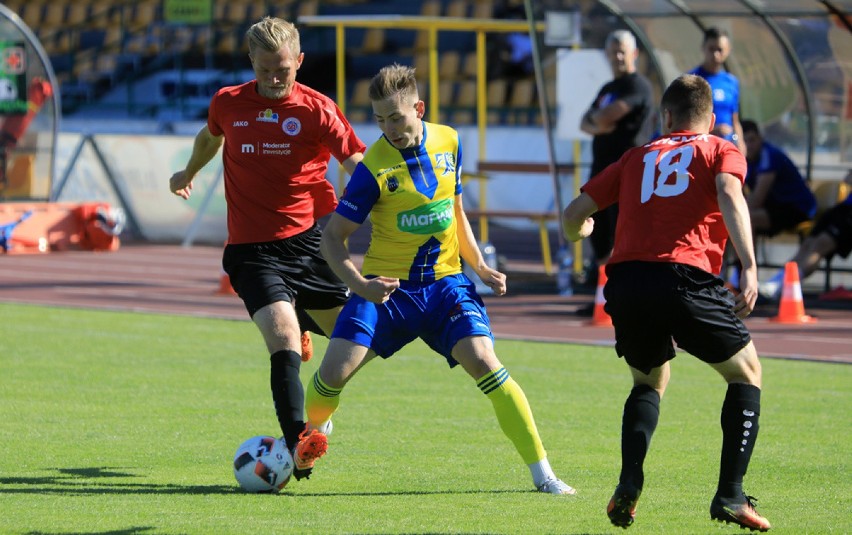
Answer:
(689, 99)
(272, 34)
(394, 79)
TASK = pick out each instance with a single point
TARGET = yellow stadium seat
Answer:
(483, 9)
(445, 93)
(448, 65)
(54, 15)
(32, 14)
(431, 8)
(374, 41)
(496, 94)
(361, 93)
(457, 8)
(307, 8)
(78, 13)
(467, 94)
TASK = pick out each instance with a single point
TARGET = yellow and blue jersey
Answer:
(410, 196)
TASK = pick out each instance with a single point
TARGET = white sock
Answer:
(541, 472)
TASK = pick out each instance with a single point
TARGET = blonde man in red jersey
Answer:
(680, 199)
(278, 136)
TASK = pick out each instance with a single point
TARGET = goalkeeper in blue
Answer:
(411, 283)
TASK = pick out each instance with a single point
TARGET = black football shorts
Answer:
(653, 304)
(291, 270)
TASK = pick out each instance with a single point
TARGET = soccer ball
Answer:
(263, 464)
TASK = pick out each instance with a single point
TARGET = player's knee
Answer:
(743, 367)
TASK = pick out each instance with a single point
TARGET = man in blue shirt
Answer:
(726, 87)
(831, 235)
(778, 198)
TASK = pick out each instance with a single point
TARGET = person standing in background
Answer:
(716, 47)
(620, 118)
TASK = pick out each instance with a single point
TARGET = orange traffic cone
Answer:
(225, 287)
(792, 308)
(600, 318)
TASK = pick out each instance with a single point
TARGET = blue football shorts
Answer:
(440, 313)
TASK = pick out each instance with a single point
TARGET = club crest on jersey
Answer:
(393, 183)
(267, 116)
(291, 126)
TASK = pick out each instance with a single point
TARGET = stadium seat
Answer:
(523, 93)
(469, 67)
(54, 16)
(220, 11)
(32, 13)
(521, 101)
(483, 9)
(14, 6)
(374, 41)
(496, 94)
(448, 65)
(457, 8)
(236, 12)
(446, 93)
(466, 96)
(78, 13)
(283, 9)
(421, 41)
(62, 43)
(256, 10)
(431, 8)
(361, 93)
(144, 14)
(226, 43)
(421, 65)
(307, 8)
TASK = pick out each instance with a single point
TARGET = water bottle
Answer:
(489, 254)
(565, 272)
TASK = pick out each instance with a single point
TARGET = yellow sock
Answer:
(513, 413)
(320, 401)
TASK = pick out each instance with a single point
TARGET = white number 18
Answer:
(655, 178)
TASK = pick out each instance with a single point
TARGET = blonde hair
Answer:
(272, 34)
(394, 79)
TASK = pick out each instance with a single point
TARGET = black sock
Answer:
(641, 413)
(288, 394)
(740, 414)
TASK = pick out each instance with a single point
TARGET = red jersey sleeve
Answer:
(731, 161)
(340, 138)
(603, 188)
(213, 116)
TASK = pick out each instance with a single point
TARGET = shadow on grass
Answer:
(89, 481)
(129, 531)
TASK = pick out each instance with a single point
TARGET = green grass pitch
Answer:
(123, 423)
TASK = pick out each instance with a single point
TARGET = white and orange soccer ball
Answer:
(263, 464)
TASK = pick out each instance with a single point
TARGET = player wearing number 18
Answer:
(680, 198)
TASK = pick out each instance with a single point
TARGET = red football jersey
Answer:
(275, 156)
(666, 195)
